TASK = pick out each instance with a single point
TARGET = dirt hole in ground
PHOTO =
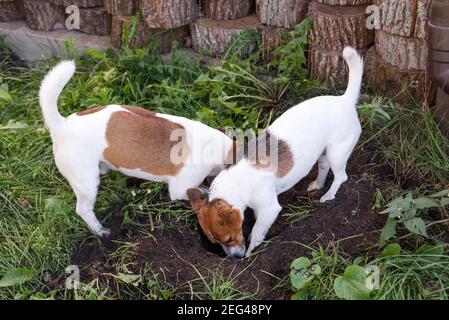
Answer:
(183, 255)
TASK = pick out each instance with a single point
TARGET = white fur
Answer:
(323, 129)
(79, 142)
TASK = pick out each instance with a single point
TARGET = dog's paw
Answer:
(103, 232)
(314, 186)
(327, 197)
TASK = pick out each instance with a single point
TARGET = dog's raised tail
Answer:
(51, 88)
(355, 64)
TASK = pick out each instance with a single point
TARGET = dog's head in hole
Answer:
(221, 223)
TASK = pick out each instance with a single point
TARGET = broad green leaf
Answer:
(315, 270)
(352, 284)
(424, 203)
(433, 251)
(416, 225)
(133, 279)
(299, 280)
(388, 232)
(301, 294)
(406, 202)
(444, 202)
(442, 193)
(16, 276)
(393, 249)
(4, 95)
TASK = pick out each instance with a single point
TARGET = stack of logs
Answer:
(277, 17)
(221, 20)
(164, 20)
(335, 25)
(397, 64)
(11, 10)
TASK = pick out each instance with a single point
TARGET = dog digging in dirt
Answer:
(128, 139)
(323, 129)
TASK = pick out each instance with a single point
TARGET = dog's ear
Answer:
(197, 198)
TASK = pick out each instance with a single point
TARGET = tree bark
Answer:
(271, 40)
(334, 28)
(11, 10)
(402, 52)
(213, 37)
(78, 3)
(403, 86)
(346, 3)
(95, 21)
(407, 18)
(227, 9)
(42, 15)
(143, 35)
(283, 13)
(121, 7)
(168, 14)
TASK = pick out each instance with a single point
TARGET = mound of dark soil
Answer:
(176, 253)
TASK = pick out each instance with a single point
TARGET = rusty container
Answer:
(438, 58)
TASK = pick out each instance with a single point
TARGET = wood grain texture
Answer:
(121, 7)
(167, 14)
(227, 9)
(43, 15)
(213, 37)
(271, 40)
(334, 28)
(402, 52)
(78, 3)
(282, 13)
(95, 21)
(11, 10)
(407, 18)
(345, 2)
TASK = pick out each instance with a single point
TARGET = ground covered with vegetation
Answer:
(384, 237)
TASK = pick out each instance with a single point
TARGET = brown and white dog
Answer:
(323, 129)
(132, 140)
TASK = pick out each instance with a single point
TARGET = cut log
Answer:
(44, 16)
(78, 3)
(346, 3)
(95, 21)
(271, 40)
(335, 27)
(329, 66)
(213, 37)
(11, 10)
(227, 9)
(168, 14)
(143, 36)
(406, 18)
(403, 86)
(402, 52)
(121, 7)
(283, 13)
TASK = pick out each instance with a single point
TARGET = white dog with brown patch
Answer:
(132, 140)
(324, 129)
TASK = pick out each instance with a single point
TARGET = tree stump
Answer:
(402, 52)
(213, 37)
(168, 14)
(78, 3)
(404, 86)
(271, 40)
(335, 27)
(42, 15)
(227, 9)
(406, 18)
(95, 21)
(121, 7)
(345, 3)
(143, 35)
(283, 13)
(11, 10)
(329, 66)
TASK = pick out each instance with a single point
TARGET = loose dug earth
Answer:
(173, 252)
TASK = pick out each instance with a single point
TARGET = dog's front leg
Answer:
(265, 218)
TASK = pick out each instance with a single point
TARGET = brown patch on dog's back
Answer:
(272, 146)
(140, 140)
(90, 111)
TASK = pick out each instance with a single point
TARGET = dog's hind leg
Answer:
(323, 170)
(84, 180)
